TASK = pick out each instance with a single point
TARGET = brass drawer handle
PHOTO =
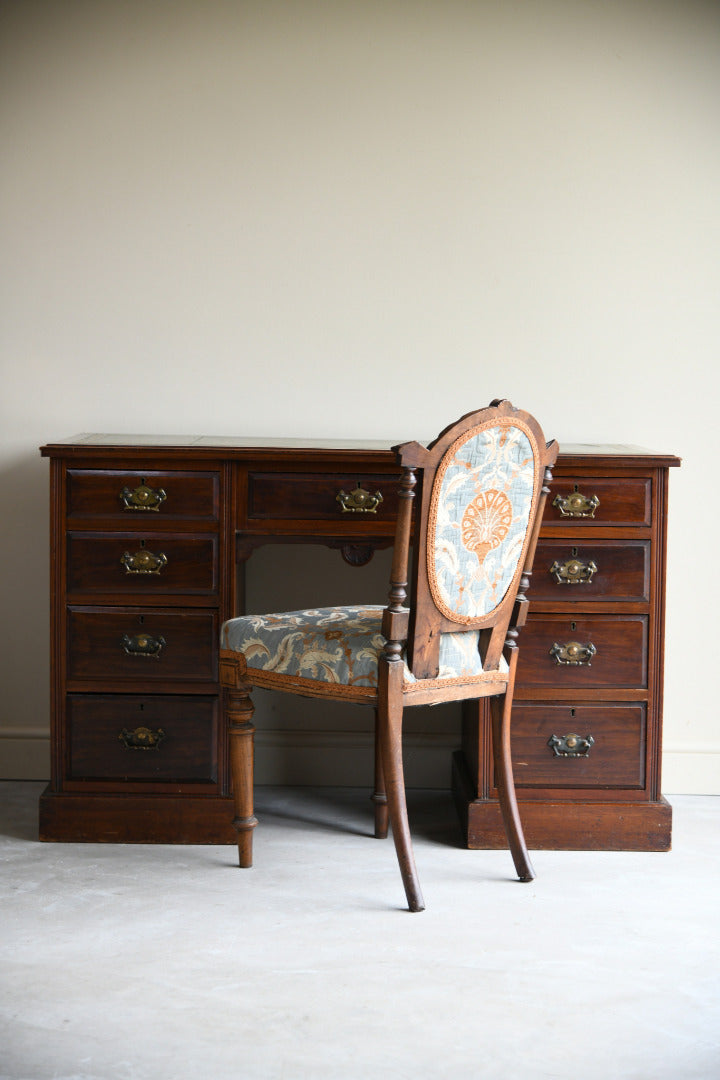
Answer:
(577, 505)
(142, 497)
(570, 745)
(143, 645)
(143, 562)
(142, 738)
(574, 571)
(573, 653)
(359, 501)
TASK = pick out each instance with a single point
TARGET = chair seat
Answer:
(335, 651)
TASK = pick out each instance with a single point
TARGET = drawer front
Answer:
(563, 746)
(145, 564)
(350, 499)
(591, 570)
(139, 495)
(587, 500)
(141, 737)
(557, 652)
(142, 646)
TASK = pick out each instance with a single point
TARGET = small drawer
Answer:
(143, 495)
(142, 646)
(142, 563)
(564, 746)
(560, 652)
(587, 500)
(351, 498)
(591, 570)
(141, 737)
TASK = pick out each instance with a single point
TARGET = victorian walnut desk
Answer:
(150, 537)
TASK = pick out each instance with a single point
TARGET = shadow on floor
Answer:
(340, 810)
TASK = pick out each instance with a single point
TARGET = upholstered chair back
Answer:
(476, 535)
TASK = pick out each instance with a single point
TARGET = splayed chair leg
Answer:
(501, 709)
(390, 714)
(239, 710)
(379, 796)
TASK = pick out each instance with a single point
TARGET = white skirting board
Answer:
(691, 770)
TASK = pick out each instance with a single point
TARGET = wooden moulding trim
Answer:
(296, 684)
(497, 678)
(233, 671)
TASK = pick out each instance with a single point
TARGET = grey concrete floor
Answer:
(166, 963)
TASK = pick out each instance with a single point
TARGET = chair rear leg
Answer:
(501, 710)
(390, 713)
(379, 796)
(239, 710)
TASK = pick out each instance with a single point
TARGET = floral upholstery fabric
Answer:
(339, 645)
(480, 507)
(335, 645)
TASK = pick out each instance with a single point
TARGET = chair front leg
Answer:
(379, 796)
(239, 711)
(501, 709)
(390, 714)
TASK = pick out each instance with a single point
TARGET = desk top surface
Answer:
(238, 446)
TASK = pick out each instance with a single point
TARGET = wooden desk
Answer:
(149, 538)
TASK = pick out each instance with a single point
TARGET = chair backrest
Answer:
(481, 490)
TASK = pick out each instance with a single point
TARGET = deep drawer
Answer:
(321, 496)
(591, 570)
(141, 737)
(142, 646)
(143, 494)
(563, 746)
(587, 500)
(128, 563)
(557, 652)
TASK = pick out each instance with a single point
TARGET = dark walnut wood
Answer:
(225, 497)
(609, 797)
(418, 614)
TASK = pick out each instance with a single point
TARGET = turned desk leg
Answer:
(239, 710)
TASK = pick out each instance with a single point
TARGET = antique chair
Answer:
(481, 487)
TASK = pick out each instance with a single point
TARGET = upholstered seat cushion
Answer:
(338, 646)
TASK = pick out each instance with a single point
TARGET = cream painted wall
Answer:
(360, 218)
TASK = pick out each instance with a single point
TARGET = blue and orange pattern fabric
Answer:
(483, 494)
(338, 646)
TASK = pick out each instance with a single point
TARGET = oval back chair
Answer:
(471, 504)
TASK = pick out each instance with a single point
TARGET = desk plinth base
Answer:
(563, 825)
(136, 819)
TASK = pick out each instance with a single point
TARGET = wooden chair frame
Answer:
(412, 635)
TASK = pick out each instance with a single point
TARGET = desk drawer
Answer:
(564, 746)
(126, 563)
(320, 497)
(560, 652)
(142, 646)
(142, 737)
(591, 570)
(143, 494)
(587, 500)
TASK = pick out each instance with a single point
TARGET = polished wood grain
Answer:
(614, 798)
(97, 493)
(622, 571)
(112, 564)
(412, 624)
(207, 482)
(187, 749)
(142, 646)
